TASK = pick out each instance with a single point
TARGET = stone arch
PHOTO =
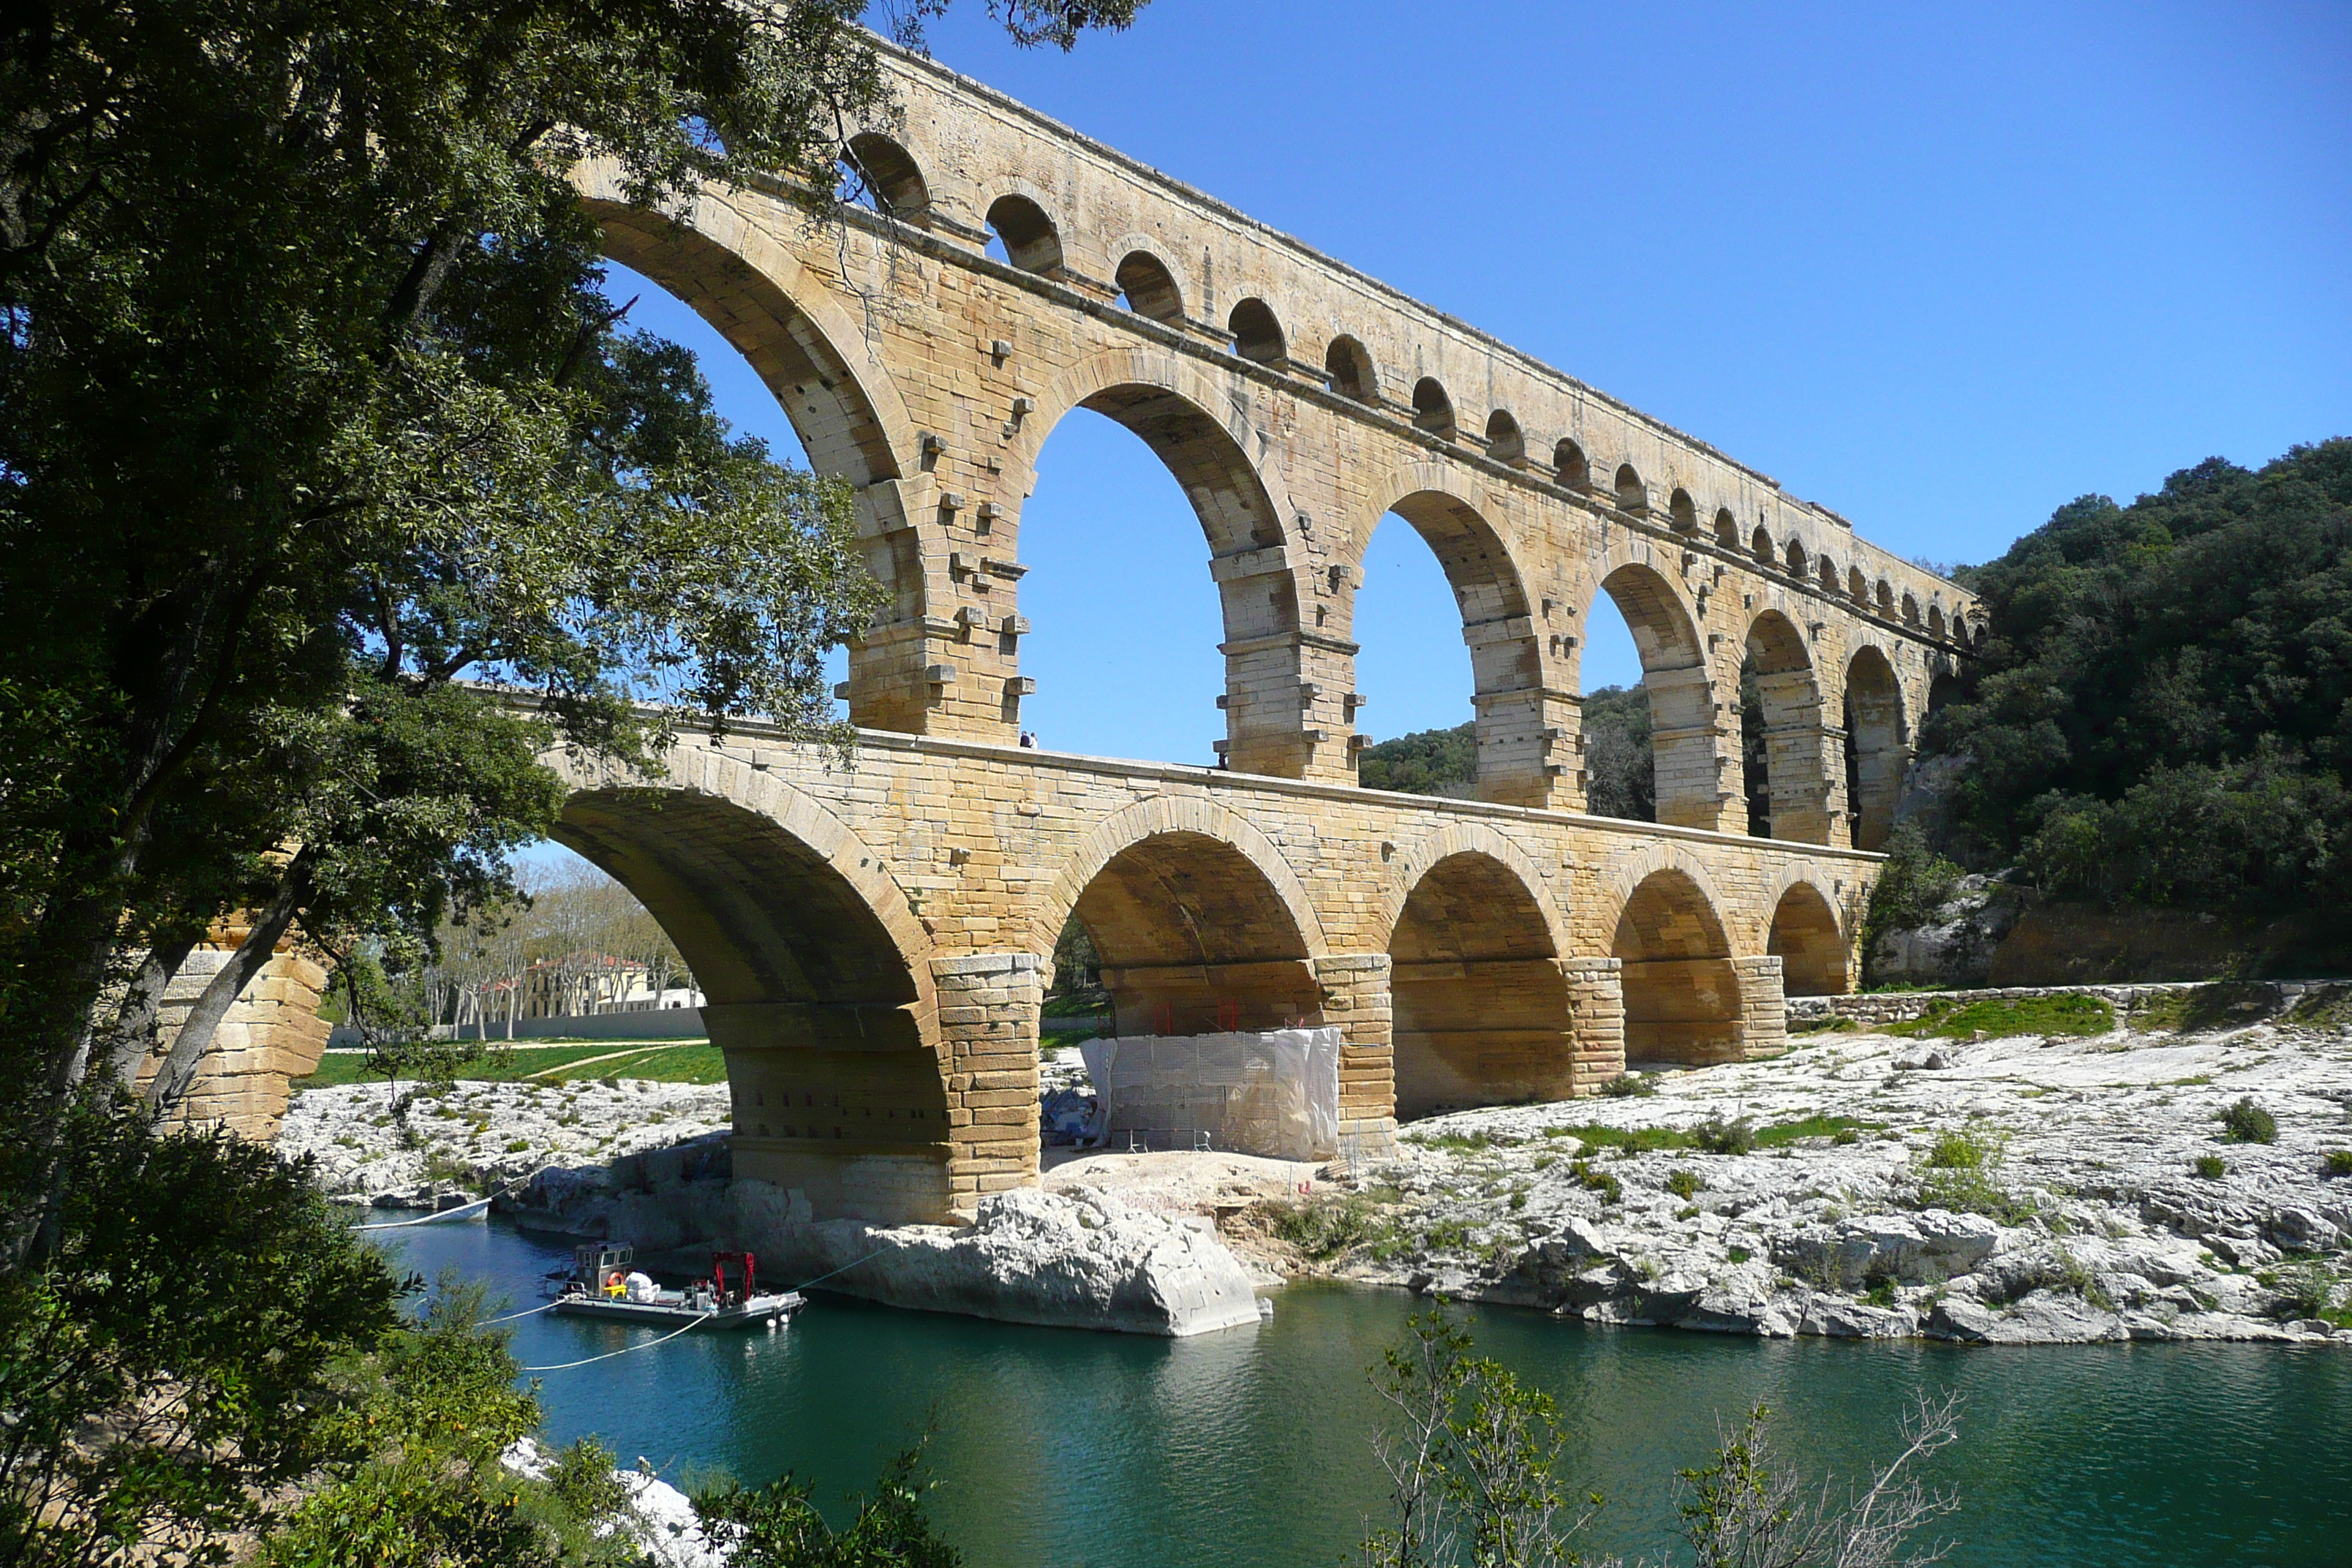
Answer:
(891, 177)
(1878, 744)
(1857, 586)
(1795, 556)
(1505, 659)
(758, 296)
(1201, 923)
(1505, 442)
(1815, 956)
(1029, 237)
(1828, 573)
(1432, 410)
(1726, 528)
(1797, 766)
(1469, 838)
(1149, 287)
(1886, 598)
(1480, 1005)
(1760, 545)
(1633, 495)
(1910, 609)
(819, 978)
(1569, 466)
(1683, 511)
(1348, 364)
(1676, 676)
(1166, 400)
(1257, 335)
(1936, 622)
(1682, 994)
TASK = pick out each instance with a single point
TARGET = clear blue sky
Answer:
(1939, 270)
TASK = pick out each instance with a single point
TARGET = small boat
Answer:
(601, 1283)
(475, 1209)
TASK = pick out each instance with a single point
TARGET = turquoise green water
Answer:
(1252, 1447)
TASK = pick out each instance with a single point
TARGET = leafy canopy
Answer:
(2164, 711)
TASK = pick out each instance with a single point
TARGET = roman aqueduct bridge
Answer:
(875, 938)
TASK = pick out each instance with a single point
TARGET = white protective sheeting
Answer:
(1275, 1094)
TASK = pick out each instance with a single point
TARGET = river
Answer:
(1252, 1447)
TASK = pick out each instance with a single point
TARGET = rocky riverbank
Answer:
(2011, 1191)
(2027, 1189)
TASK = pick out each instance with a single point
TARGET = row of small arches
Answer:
(884, 173)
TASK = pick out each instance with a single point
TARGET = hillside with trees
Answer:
(2163, 714)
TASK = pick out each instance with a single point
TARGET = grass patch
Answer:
(1684, 1185)
(1461, 1143)
(2212, 1167)
(1961, 1172)
(2329, 1007)
(1716, 1136)
(1836, 1128)
(2202, 1009)
(1611, 1189)
(2335, 1162)
(1628, 1086)
(503, 1063)
(1998, 1017)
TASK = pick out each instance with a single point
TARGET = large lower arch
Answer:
(1681, 990)
(1801, 768)
(1507, 687)
(1685, 730)
(1480, 1007)
(1878, 745)
(1165, 400)
(819, 985)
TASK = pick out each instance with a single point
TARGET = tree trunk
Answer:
(196, 1037)
(134, 1026)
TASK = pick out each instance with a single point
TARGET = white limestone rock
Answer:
(1921, 1248)
(1080, 1259)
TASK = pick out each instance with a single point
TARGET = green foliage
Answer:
(1427, 761)
(1716, 1136)
(1961, 1172)
(1618, 769)
(1611, 1189)
(2201, 1009)
(321, 444)
(2160, 714)
(2246, 1122)
(1998, 1017)
(1633, 1140)
(1913, 884)
(169, 1368)
(2212, 1167)
(1630, 1086)
(2305, 1289)
(1686, 1184)
(2335, 1162)
(777, 1525)
(1328, 1229)
(1471, 1455)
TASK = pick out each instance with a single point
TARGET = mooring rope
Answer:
(843, 1268)
(510, 1317)
(608, 1355)
(398, 1224)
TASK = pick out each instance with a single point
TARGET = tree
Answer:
(174, 1364)
(1472, 1465)
(777, 1525)
(318, 446)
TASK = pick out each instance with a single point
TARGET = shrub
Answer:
(1838, 1129)
(1960, 1172)
(2304, 1290)
(1738, 1254)
(2246, 1122)
(1323, 1229)
(1716, 1136)
(1628, 1086)
(1611, 1189)
(1684, 1185)
(1880, 1291)
(2335, 1162)
(2212, 1167)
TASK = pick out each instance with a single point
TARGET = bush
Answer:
(2304, 1290)
(2335, 1162)
(1611, 1189)
(1716, 1136)
(1628, 1086)
(2212, 1167)
(2246, 1122)
(1960, 1172)
(1684, 1185)
(1325, 1229)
